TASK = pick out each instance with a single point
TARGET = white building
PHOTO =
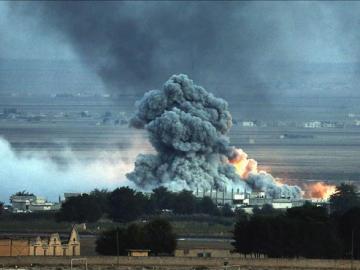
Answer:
(312, 124)
(248, 124)
(31, 203)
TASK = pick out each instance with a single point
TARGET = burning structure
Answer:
(188, 128)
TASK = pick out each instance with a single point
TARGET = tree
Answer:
(242, 240)
(108, 242)
(126, 204)
(226, 211)
(159, 237)
(304, 231)
(185, 203)
(1, 207)
(349, 231)
(24, 193)
(240, 214)
(344, 198)
(308, 212)
(102, 198)
(161, 198)
(83, 208)
(207, 206)
(120, 239)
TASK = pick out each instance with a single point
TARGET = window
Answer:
(204, 254)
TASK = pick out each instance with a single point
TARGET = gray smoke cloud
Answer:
(132, 45)
(263, 50)
(266, 183)
(188, 128)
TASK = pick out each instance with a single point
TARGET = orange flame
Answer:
(319, 190)
(243, 165)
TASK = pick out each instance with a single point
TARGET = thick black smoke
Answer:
(256, 48)
(188, 128)
(134, 45)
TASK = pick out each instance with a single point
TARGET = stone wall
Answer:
(176, 262)
(9, 247)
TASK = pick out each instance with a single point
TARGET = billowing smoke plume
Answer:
(33, 172)
(265, 182)
(188, 128)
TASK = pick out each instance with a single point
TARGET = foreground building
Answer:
(46, 246)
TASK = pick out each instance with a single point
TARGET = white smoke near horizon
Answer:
(42, 175)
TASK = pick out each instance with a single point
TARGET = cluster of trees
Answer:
(308, 231)
(125, 204)
(83, 208)
(23, 193)
(156, 236)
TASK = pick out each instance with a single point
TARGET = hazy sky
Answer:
(135, 46)
(22, 39)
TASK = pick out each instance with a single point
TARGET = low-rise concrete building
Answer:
(138, 252)
(202, 252)
(214, 248)
(31, 203)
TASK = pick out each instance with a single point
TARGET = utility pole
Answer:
(117, 246)
(352, 248)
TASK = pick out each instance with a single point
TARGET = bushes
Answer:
(156, 235)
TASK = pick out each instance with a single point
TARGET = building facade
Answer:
(48, 246)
